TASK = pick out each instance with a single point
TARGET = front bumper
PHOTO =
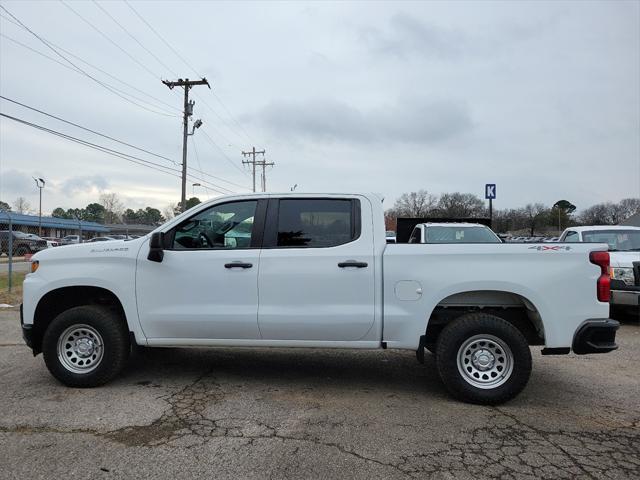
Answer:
(596, 336)
(625, 297)
(27, 331)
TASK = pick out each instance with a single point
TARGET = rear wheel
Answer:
(483, 359)
(21, 251)
(86, 346)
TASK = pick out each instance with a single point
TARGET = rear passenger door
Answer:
(316, 279)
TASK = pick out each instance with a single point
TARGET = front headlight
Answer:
(622, 273)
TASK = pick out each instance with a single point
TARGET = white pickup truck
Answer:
(624, 252)
(314, 270)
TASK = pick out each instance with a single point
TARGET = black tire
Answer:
(102, 325)
(511, 365)
(21, 251)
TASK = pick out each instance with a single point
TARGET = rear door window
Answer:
(316, 223)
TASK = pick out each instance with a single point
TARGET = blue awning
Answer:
(19, 219)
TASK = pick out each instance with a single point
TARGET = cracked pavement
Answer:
(285, 413)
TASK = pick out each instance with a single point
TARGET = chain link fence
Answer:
(19, 241)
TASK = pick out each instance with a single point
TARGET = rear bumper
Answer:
(624, 297)
(596, 336)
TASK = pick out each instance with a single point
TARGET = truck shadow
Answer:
(395, 371)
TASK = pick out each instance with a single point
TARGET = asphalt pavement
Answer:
(20, 266)
(285, 413)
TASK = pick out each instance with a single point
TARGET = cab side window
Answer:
(415, 236)
(571, 237)
(221, 227)
(316, 223)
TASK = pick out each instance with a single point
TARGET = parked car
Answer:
(453, 233)
(50, 243)
(70, 239)
(624, 249)
(102, 239)
(391, 236)
(21, 243)
(327, 279)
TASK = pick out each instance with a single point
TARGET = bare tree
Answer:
(170, 211)
(628, 207)
(414, 204)
(535, 214)
(509, 220)
(599, 214)
(113, 207)
(22, 205)
(460, 205)
(610, 213)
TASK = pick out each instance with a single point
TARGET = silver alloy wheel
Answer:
(485, 361)
(80, 348)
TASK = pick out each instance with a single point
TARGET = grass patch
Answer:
(15, 296)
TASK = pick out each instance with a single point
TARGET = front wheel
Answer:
(483, 359)
(86, 346)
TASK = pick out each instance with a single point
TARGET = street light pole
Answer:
(40, 184)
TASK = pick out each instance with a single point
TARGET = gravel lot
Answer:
(238, 413)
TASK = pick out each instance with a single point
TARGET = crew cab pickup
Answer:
(315, 271)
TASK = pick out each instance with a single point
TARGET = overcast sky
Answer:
(541, 98)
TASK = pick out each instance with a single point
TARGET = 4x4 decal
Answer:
(555, 248)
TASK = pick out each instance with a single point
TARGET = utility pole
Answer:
(252, 153)
(265, 164)
(188, 111)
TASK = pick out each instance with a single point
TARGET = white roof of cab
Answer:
(452, 224)
(602, 227)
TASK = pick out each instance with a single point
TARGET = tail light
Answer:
(603, 286)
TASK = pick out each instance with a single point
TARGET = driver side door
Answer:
(205, 288)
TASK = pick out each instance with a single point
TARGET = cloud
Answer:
(406, 121)
(407, 35)
(15, 183)
(76, 185)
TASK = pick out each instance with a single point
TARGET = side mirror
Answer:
(156, 244)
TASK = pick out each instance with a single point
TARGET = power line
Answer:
(210, 175)
(134, 38)
(212, 142)
(109, 151)
(193, 141)
(206, 181)
(122, 142)
(88, 129)
(177, 54)
(80, 70)
(162, 39)
(17, 42)
(104, 35)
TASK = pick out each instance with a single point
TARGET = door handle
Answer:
(353, 263)
(238, 265)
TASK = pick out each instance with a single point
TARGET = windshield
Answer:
(20, 235)
(618, 240)
(461, 235)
